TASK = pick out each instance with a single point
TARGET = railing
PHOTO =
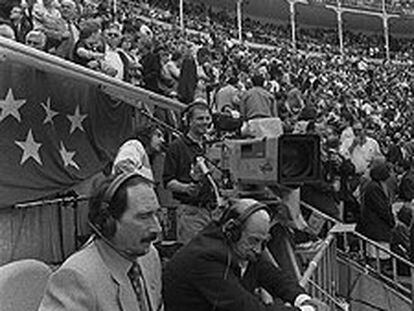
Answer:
(321, 276)
(392, 278)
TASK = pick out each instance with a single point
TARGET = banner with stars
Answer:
(55, 132)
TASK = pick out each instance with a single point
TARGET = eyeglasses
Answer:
(31, 42)
(113, 35)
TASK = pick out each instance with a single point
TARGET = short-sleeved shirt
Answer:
(180, 156)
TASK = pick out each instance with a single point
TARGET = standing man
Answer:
(119, 269)
(221, 268)
(360, 149)
(112, 59)
(20, 23)
(194, 211)
(69, 14)
(257, 102)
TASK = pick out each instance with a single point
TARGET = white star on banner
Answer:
(30, 149)
(67, 156)
(10, 106)
(76, 120)
(50, 114)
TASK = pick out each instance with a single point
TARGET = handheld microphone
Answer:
(201, 162)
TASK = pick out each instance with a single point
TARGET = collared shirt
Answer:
(113, 59)
(362, 155)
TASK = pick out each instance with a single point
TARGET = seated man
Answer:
(119, 269)
(221, 268)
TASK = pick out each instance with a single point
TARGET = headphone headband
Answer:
(250, 211)
(118, 182)
(232, 226)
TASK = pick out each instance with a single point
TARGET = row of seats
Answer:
(22, 284)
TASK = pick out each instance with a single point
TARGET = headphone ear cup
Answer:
(231, 231)
(107, 223)
(109, 227)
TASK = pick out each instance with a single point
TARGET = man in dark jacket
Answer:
(221, 268)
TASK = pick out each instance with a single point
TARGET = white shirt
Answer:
(134, 154)
(362, 155)
(113, 59)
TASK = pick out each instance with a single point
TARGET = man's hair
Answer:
(144, 134)
(258, 80)
(102, 208)
(198, 104)
(38, 34)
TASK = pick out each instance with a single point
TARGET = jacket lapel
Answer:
(150, 286)
(127, 298)
(118, 268)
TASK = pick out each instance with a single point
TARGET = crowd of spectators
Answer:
(312, 89)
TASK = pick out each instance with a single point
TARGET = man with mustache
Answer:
(119, 268)
(221, 268)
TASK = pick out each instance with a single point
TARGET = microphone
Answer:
(124, 253)
(201, 163)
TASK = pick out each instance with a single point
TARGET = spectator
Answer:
(7, 32)
(257, 102)
(377, 220)
(20, 23)
(151, 66)
(227, 97)
(112, 59)
(407, 183)
(361, 149)
(171, 71)
(130, 60)
(89, 50)
(66, 46)
(188, 78)
(36, 39)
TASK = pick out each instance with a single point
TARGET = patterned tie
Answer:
(135, 275)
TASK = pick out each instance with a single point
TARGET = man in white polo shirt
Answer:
(360, 149)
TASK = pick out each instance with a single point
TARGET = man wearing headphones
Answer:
(221, 268)
(194, 194)
(119, 269)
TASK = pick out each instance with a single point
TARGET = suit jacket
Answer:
(204, 276)
(95, 278)
(377, 220)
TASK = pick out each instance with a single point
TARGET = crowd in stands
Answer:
(318, 92)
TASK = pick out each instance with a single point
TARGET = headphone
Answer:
(104, 223)
(232, 226)
(189, 110)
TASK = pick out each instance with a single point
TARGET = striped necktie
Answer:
(135, 275)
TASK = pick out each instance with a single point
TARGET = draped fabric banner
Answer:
(55, 131)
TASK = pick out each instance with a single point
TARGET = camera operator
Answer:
(324, 194)
(182, 175)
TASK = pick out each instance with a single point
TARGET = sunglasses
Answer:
(113, 35)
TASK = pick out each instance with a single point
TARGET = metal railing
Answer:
(375, 265)
(321, 276)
